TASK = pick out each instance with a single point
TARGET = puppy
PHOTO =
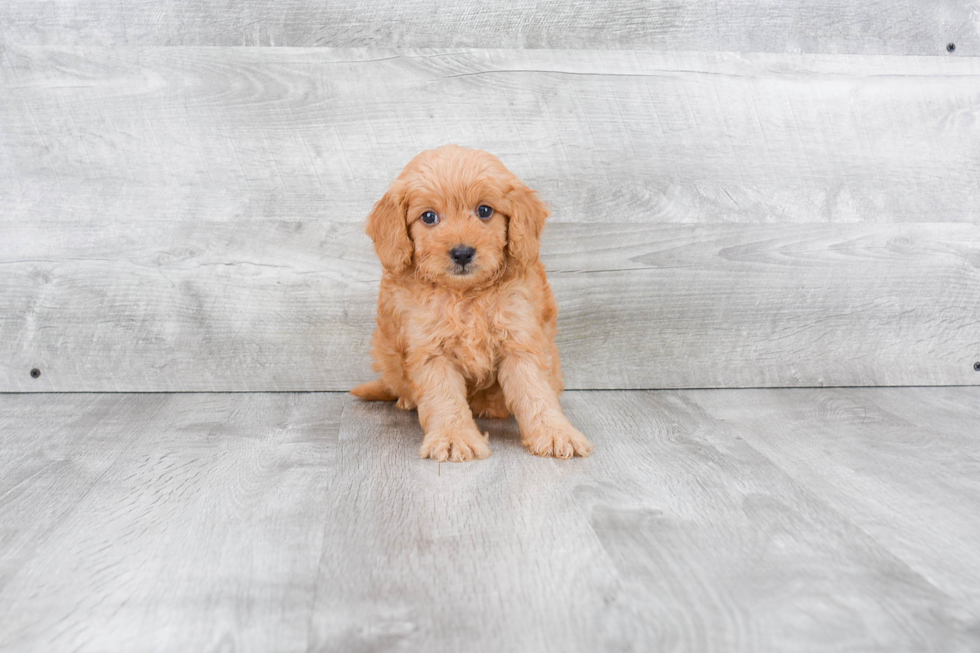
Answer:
(466, 319)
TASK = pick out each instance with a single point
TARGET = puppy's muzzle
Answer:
(462, 255)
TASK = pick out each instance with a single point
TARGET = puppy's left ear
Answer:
(527, 216)
(387, 228)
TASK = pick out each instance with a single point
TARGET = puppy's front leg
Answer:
(545, 430)
(450, 432)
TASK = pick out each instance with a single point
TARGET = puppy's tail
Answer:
(373, 391)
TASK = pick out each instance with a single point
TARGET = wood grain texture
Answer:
(239, 133)
(755, 521)
(161, 522)
(693, 515)
(835, 26)
(902, 467)
(187, 218)
(277, 305)
(443, 557)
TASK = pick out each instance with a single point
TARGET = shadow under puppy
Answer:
(466, 319)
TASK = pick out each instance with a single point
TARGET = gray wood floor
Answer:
(714, 520)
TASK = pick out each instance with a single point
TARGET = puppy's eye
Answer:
(430, 217)
(484, 211)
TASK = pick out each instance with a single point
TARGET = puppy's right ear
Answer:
(386, 227)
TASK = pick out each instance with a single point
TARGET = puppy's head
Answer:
(456, 217)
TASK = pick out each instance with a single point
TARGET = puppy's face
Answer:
(457, 218)
(457, 225)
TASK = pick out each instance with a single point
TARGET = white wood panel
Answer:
(289, 305)
(233, 133)
(162, 206)
(837, 26)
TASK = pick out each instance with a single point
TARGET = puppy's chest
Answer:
(470, 334)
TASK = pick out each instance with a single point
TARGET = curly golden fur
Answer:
(466, 319)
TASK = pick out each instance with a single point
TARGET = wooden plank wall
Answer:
(744, 194)
(794, 26)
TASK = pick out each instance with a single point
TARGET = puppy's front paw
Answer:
(558, 440)
(457, 445)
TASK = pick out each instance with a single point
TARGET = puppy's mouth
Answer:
(462, 270)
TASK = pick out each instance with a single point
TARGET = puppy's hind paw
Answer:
(404, 403)
(457, 445)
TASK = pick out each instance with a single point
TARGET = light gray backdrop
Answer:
(181, 204)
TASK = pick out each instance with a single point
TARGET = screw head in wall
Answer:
(976, 367)
(950, 47)
(35, 373)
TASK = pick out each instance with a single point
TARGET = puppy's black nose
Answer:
(462, 254)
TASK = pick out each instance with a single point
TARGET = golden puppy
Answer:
(466, 319)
